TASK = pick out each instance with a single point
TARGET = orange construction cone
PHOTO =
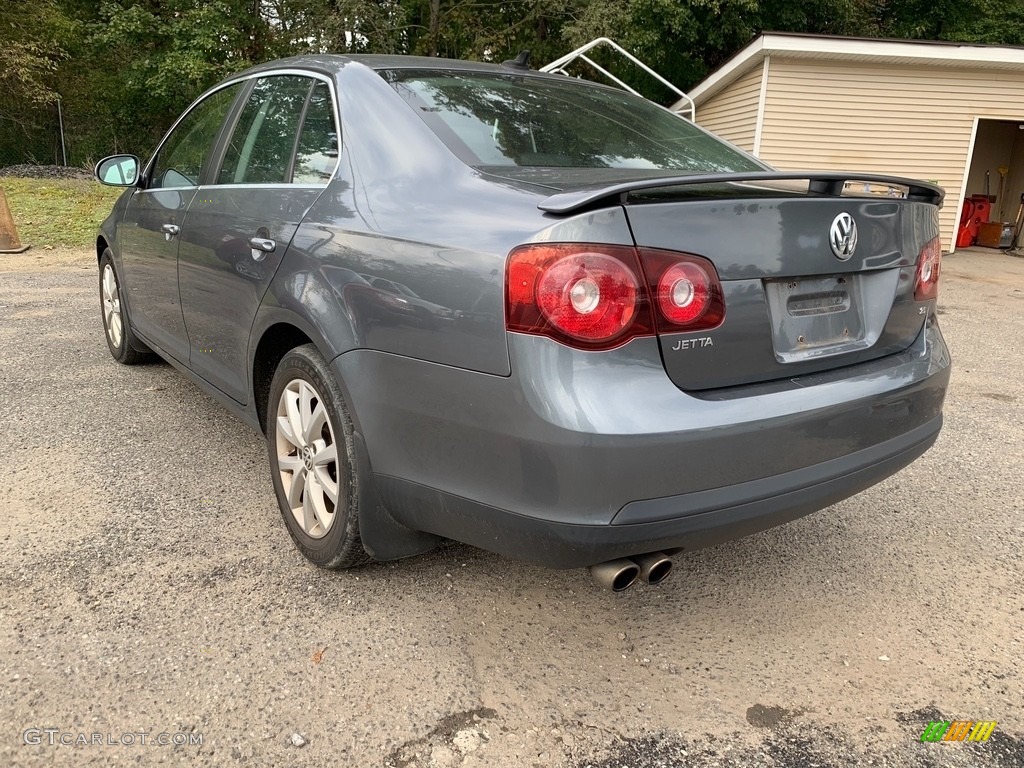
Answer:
(9, 242)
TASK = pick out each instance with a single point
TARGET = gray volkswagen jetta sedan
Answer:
(530, 313)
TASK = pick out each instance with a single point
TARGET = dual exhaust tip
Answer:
(620, 575)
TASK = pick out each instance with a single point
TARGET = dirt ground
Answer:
(149, 591)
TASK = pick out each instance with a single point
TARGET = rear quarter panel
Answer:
(405, 251)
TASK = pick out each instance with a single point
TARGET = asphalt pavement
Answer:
(154, 612)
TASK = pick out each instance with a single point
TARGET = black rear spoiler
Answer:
(829, 183)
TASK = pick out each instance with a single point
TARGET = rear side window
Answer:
(317, 152)
(511, 120)
(261, 146)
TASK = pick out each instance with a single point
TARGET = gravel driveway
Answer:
(149, 592)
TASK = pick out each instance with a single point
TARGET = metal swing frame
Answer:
(687, 109)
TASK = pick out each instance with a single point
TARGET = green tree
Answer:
(997, 22)
(30, 53)
(124, 69)
(924, 19)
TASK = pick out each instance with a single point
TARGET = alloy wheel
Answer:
(112, 307)
(307, 457)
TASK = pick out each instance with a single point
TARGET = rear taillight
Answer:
(929, 262)
(600, 296)
(686, 290)
(587, 296)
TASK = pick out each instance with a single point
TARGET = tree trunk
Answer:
(434, 26)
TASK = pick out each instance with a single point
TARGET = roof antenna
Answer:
(521, 61)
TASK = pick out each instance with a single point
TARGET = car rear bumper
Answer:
(683, 522)
(577, 457)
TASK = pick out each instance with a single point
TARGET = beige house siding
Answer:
(909, 121)
(732, 112)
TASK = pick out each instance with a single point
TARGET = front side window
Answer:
(493, 119)
(182, 158)
(261, 146)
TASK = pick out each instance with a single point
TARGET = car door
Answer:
(276, 161)
(155, 215)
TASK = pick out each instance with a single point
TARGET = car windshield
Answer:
(513, 120)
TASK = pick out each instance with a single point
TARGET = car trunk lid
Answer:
(795, 302)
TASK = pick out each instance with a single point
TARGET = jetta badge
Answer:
(842, 236)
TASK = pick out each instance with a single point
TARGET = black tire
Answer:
(337, 544)
(124, 345)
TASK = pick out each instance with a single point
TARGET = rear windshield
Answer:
(514, 120)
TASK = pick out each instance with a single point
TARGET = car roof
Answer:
(334, 63)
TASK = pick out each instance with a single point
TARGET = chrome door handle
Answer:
(170, 230)
(261, 246)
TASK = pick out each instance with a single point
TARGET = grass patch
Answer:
(58, 212)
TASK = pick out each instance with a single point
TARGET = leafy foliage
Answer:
(124, 69)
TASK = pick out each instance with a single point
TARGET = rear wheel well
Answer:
(275, 343)
(101, 246)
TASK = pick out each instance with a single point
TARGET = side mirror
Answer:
(118, 170)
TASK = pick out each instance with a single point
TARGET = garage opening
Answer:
(992, 208)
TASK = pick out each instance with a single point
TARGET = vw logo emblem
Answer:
(842, 236)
